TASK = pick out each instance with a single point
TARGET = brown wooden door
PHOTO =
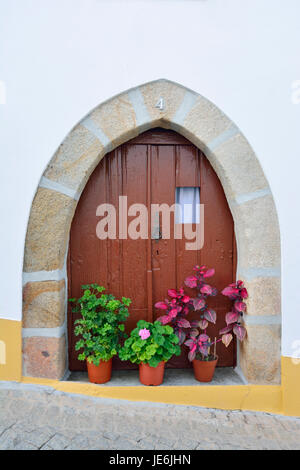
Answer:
(147, 170)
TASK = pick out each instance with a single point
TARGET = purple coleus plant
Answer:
(175, 312)
(204, 290)
(236, 292)
(199, 343)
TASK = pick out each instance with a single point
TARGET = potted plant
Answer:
(204, 361)
(200, 354)
(150, 345)
(101, 328)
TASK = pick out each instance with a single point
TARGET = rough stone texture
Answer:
(48, 230)
(205, 122)
(237, 167)
(172, 94)
(257, 233)
(41, 418)
(75, 159)
(260, 354)
(44, 357)
(116, 118)
(264, 296)
(44, 304)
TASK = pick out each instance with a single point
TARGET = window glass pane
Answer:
(187, 205)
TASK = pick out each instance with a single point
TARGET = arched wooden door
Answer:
(148, 169)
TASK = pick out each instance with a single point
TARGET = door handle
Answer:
(156, 231)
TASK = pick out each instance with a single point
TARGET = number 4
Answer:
(160, 104)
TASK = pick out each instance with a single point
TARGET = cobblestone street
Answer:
(41, 418)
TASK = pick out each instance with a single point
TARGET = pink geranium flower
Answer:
(144, 333)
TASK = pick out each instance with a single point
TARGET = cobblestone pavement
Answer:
(36, 417)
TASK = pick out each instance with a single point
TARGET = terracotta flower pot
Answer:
(204, 370)
(152, 375)
(99, 374)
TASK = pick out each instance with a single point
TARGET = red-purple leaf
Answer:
(198, 303)
(239, 331)
(189, 343)
(240, 306)
(231, 317)
(203, 338)
(181, 336)
(194, 333)
(172, 293)
(191, 281)
(173, 313)
(230, 292)
(206, 289)
(209, 273)
(191, 355)
(161, 305)
(226, 339)
(184, 323)
(244, 293)
(185, 299)
(164, 319)
(203, 324)
(194, 323)
(210, 315)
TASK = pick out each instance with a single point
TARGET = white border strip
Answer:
(187, 104)
(262, 319)
(223, 137)
(89, 124)
(54, 186)
(57, 332)
(140, 109)
(39, 276)
(252, 273)
(246, 197)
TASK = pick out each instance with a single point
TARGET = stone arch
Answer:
(110, 124)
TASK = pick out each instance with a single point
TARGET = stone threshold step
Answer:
(172, 377)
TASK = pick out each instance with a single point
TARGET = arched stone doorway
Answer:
(156, 104)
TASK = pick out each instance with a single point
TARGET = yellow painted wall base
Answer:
(10, 350)
(290, 378)
(228, 397)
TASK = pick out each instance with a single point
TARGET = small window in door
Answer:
(187, 205)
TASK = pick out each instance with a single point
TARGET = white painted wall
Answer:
(60, 58)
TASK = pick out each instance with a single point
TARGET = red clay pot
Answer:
(204, 370)
(99, 374)
(152, 375)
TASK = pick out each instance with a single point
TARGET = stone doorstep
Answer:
(172, 377)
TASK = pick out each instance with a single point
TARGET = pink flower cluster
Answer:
(144, 333)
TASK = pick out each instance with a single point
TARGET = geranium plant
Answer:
(150, 343)
(175, 312)
(101, 326)
(237, 293)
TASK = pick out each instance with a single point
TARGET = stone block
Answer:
(260, 354)
(44, 304)
(75, 159)
(44, 357)
(48, 230)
